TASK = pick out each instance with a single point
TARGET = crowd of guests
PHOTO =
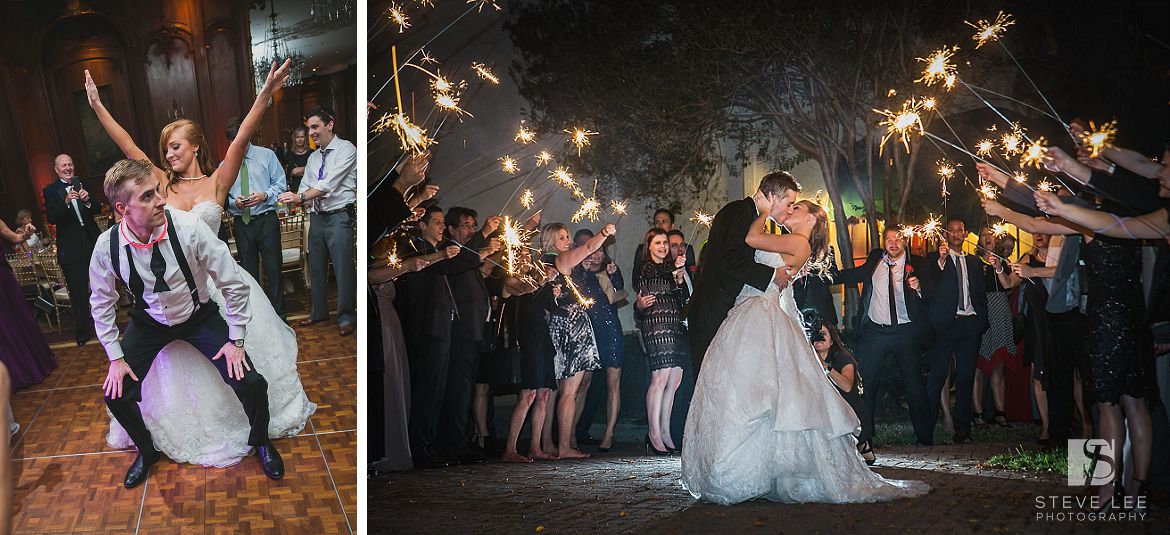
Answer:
(1074, 309)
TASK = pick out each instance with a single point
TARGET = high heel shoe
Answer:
(1114, 501)
(650, 448)
(1001, 419)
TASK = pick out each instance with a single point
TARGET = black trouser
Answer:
(77, 282)
(460, 390)
(428, 384)
(962, 341)
(260, 239)
(874, 344)
(1066, 353)
(208, 332)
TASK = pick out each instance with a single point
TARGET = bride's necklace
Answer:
(192, 177)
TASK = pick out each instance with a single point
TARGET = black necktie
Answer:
(158, 266)
(962, 283)
(893, 298)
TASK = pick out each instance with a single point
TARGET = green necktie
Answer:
(244, 192)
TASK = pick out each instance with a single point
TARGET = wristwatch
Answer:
(302, 196)
(237, 343)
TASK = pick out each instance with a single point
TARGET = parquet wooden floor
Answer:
(68, 480)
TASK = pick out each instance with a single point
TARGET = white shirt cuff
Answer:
(114, 350)
(236, 332)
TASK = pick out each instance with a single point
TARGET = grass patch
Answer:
(1035, 461)
(901, 433)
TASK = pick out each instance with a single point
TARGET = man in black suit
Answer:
(69, 207)
(958, 315)
(892, 323)
(472, 304)
(728, 262)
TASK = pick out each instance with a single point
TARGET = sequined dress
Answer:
(1115, 317)
(661, 323)
(571, 332)
(607, 329)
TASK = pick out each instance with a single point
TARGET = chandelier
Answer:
(332, 10)
(277, 52)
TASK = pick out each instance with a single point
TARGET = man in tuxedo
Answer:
(429, 310)
(728, 262)
(472, 305)
(892, 323)
(958, 315)
(69, 206)
(172, 257)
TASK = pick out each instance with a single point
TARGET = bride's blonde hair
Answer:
(818, 236)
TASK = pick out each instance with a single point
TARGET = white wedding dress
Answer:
(193, 416)
(765, 421)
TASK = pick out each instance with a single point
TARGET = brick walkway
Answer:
(627, 492)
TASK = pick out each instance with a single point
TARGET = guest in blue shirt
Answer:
(256, 225)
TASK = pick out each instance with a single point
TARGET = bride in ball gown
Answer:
(765, 421)
(192, 414)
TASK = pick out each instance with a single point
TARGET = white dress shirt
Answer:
(337, 178)
(208, 258)
(879, 299)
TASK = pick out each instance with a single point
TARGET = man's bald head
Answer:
(63, 166)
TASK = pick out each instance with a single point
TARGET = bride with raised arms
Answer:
(765, 421)
(192, 414)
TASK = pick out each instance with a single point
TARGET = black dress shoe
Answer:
(139, 470)
(961, 437)
(270, 460)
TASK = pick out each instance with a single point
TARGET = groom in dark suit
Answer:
(69, 206)
(892, 323)
(728, 262)
(958, 315)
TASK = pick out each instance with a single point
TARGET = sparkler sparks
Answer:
(543, 157)
(1045, 185)
(988, 191)
(526, 199)
(412, 137)
(450, 102)
(990, 31)
(617, 208)
(907, 232)
(932, 227)
(514, 239)
(584, 301)
(563, 177)
(929, 103)
(984, 147)
(426, 57)
(1020, 177)
(399, 17)
(999, 230)
(939, 67)
(945, 170)
(702, 218)
(1035, 153)
(1012, 143)
(485, 73)
(590, 209)
(524, 135)
(509, 165)
(1099, 138)
(901, 122)
(441, 84)
(580, 138)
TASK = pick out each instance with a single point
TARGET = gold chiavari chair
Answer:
(293, 236)
(54, 283)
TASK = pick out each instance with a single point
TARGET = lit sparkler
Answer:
(901, 122)
(932, 227)
(1012, 143)
(526, 199)
(945, 170)
(450, 102)
(509, 165)
(984, 147)
(988, 191)
(907, 232)
(485, 73)
(426, 57)
(412, 137)
(999, 230)
(543, 157)
(524, 135)
(702, 218)
(1020, 177)
(440, 84)
(484, 3)
(617, 208)
(1035, 153)
(580, 138)
(1045, 185)
(590, 209)
(929, 103)
(990, 31)
(399, 17)
(584, 301)
(1099, 138)
(514, 239)
(563, 177)
(939, 67)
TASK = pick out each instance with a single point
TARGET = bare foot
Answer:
(513, 457)
(606, 443)
(538, 455)
(570, 453)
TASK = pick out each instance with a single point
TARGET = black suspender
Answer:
(135, 282)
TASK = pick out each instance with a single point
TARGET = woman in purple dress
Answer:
(22, 346)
